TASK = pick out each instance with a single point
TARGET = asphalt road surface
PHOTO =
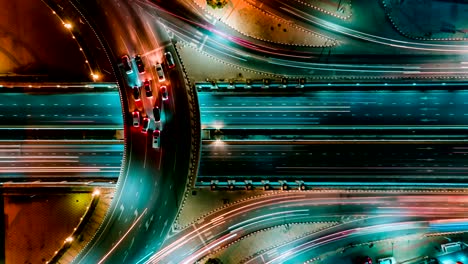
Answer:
(329, 108)
(86, 110)
(148, 194)
(374, 161)
(360, 216)
(190, 25)
(60, 160)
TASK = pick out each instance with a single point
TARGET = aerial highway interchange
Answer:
(350, 124)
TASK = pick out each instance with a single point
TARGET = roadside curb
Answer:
(273, 75)
(275, 17)
(196, 138)
(325, 11)
(73, 242)
(388, 12)
(244, 260)
(291, 192)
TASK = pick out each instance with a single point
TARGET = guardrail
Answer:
(285, 185)
(195, 154)
(285, 84)
(323, 133)
(36, 184)
(62, 134)
(59, 85)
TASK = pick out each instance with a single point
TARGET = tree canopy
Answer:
(214, 261)
(217, 3)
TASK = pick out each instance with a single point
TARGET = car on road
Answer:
(452, 247)
(164, 94)
(157, 114)
(363, 260)
(146, 124)
(140, 64)
(136, 118)
(156, 139)
(389, 260)
(127, 65)
(136, 93)
(160, 71)
(148, 91)
(169, 59)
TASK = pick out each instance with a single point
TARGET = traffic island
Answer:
(249, 19)
(201, 66)
(341, 9)
(37, 224)
(410, 249)
(428, 20)
(204, 201)
(250, 246)
(86, 228)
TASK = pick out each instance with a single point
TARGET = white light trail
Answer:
(123, 237)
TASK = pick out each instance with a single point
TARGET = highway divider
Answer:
(303, 84)
(195, 153)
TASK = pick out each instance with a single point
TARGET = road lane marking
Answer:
(123, 237)
(146, 150)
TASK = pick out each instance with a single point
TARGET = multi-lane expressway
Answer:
(351, 161)
(60, 160)
(64, 109)
(150, 181)
(343, 108)
(334, 136)
(60, 132)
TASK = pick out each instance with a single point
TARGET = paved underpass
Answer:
(83, 110)
(75, 161)
(77, 107)
(259, 137)
(63, 133)
(70, 133)
(333, 108)
(338, 161)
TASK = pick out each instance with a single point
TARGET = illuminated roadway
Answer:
(140, 216)
(191, 26)
(60, 160)
(375, 136)
(333, 108)
(352, 210)
(312, 245)
(80, 121)
(64, 110)
(354, 160)
(151, 182)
